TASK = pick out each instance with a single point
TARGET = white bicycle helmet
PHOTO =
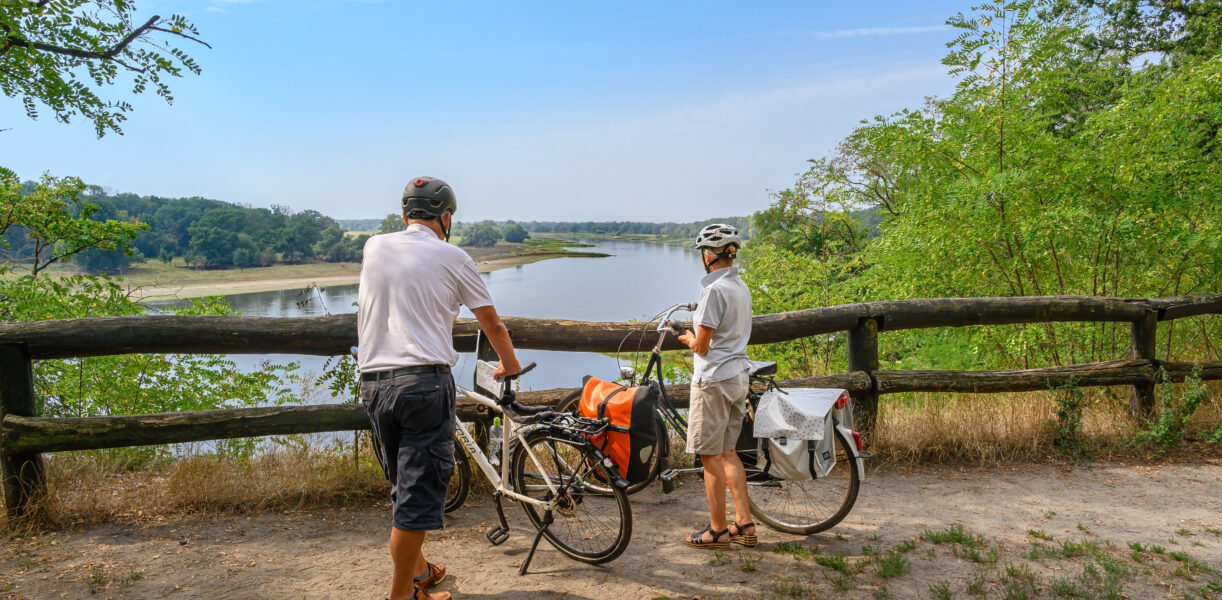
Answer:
(718, 235)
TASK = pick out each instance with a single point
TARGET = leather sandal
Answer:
(738, 537)
(436, 574)
(696, 540)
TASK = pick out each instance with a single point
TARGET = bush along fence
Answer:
(24, 436)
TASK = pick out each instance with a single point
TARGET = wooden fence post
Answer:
(1142, 341)
(863, 356)
(23, 473)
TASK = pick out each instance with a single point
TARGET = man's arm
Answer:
(498, 335)
(699, 343)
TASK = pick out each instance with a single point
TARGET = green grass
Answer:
(890, 565)
(835, 562)
(1039, 535)
(1088, 585)
(791, 587)
(975, 586)
(720, 559)
(746, 563)
(798, 551)
(954, 535)
(842, 583)
(941, 590)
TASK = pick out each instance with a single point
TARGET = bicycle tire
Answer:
(589, 525)
(460, 483)
(806, 507)
(569, 404)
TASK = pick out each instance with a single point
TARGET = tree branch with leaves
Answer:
(56, 54)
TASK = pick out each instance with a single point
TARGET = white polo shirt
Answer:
(725, 306)
(412, 284)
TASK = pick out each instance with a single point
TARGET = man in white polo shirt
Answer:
(719, 387)
(412, 283)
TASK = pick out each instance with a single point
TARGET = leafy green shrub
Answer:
(1174, 412)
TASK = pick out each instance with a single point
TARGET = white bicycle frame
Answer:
(481, 460)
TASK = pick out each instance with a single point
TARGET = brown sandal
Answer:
(738, 537)
(696, 540)
(436, 574)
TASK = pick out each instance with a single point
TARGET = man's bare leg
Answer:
(405, 554)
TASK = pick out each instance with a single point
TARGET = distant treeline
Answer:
(207, 233)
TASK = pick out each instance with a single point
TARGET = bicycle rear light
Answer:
(842, 400)
(857, 440)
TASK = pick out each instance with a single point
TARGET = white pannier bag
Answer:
(796, 432)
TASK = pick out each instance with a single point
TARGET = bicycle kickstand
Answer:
(547, 520)
(498, 534)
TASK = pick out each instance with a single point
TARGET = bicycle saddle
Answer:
(759, 368)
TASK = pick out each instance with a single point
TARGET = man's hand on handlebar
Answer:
(687, 338)
(507, 368)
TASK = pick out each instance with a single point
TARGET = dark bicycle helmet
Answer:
(428, 197)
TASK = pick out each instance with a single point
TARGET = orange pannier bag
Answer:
(632, 408)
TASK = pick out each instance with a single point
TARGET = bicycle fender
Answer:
(859, 462)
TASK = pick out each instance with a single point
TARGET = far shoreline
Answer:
(486, 260)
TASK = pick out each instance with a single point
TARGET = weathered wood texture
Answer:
(1142, 339)
(22, 471)
(38, 434)
(333, 335)
(863, 357)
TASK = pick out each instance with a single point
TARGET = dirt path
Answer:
(1089, 515)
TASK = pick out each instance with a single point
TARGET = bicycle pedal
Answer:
(498, 535)
(668, 480)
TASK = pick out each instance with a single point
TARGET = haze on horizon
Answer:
(588, 111)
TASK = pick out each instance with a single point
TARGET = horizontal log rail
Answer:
(334, 334)
(24, 436)
(21, 434)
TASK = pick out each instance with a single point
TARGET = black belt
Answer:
(391, 374)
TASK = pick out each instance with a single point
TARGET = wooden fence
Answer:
(24, 435)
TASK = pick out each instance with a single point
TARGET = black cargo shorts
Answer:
(413, 419)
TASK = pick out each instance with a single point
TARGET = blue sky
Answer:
(582, 110)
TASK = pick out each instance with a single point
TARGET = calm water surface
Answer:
(636, 282)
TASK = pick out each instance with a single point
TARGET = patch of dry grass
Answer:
(88, 488)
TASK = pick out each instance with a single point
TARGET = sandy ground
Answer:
(340, 553)
(194, 290)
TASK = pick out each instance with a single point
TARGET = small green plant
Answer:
(874, 537)
(96, 581)
(791, 587)
(134, 576)
(1088, 585)
(798, 551)
(941, 590)
(1183, 532)
(975, 586)
(842, 583)
(1174, 412)
(1019, 583)
(1050, 514)
(1039, 535)
(954, 535)
(882, 593)
(1213, 531)
(1083, 528)
(835, 562)
(1067, 432)
(890, 565)
(746, 563)
(906, 546)
(719, 559)
(1157, 549)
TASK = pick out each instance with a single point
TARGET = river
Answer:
(635, 282)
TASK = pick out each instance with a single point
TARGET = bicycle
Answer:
(552, 468)
(552, 464)
(799, 507)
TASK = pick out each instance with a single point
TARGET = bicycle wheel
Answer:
(460, 482)
(806, 507)
(569, 404)
(592, 522)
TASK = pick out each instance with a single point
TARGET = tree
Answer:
(481, 235)
(50, 50)
(392, 223)
(514, 233)
(56, 225)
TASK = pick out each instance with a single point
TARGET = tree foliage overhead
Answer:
(1058, 166)
(60, 53)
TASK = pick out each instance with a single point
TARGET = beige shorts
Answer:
(716, 415)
